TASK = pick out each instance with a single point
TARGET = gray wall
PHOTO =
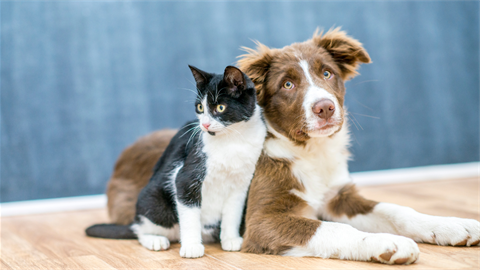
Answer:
(81, 80)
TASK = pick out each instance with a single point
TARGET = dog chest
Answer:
(318, 179)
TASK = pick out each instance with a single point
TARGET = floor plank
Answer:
(58, 241)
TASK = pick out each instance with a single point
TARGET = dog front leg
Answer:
(290, 235)
(342, 241)
(350, 208)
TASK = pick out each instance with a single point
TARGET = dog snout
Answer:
(324, 108)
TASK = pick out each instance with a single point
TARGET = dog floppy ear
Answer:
(256, 64)
(347, 52)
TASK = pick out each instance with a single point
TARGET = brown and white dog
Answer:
(301, 200)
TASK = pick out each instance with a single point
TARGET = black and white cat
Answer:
(198, 190)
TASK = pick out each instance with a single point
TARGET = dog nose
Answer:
(206, 125)
(324, 108)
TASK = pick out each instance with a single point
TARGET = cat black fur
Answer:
(157, 200)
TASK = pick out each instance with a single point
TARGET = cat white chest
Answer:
(230, 164)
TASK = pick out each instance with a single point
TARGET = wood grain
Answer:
(58, 241)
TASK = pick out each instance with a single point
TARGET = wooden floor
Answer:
(57, 241)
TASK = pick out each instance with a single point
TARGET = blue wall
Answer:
(81, 80)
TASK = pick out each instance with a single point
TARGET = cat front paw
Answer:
(192, 250)
(154, 242)
(232, 244)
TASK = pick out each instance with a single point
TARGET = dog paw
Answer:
(391, 249)
(154, 242)
(232, 244)
(192, 250)
(450, 231)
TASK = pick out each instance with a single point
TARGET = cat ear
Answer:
(235, 80)
(201, 77)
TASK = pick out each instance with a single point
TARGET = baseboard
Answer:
(416, 174)
(427, 173)
(53, 205)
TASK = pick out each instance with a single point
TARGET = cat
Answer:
(199, 186)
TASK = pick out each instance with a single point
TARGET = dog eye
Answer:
(288, 85)
(327, 74)
(220, 108)
(200, 107)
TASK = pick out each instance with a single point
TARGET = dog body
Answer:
(301, 200)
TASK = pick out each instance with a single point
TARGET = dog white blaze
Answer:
(313, 95)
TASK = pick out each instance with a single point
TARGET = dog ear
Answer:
(347, 52)
(256, 64)
(201, 77)
(235, 81)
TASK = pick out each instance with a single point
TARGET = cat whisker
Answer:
(241, 135)
(198, 94)
(189, 129)
(194, 123)
(195, 132)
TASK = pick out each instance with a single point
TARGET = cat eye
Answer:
(221, 108)
(327, 74)
(200, 107)
(288, 85)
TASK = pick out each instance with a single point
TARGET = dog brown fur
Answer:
(274, 220)
(349, 202)
(132, 172)
(274, 214)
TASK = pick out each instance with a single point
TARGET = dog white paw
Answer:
(391, 249)
(449, 231)
(232, 244)
(154, 242)
(192, 250)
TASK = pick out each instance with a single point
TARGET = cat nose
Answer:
(206, 125)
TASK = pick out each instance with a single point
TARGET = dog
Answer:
(301, 200)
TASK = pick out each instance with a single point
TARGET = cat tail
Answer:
(111, 231)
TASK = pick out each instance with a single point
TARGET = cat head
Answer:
(223, 100)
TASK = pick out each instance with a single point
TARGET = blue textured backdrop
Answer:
(81, 80)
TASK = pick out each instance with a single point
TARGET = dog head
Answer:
(301, 86)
